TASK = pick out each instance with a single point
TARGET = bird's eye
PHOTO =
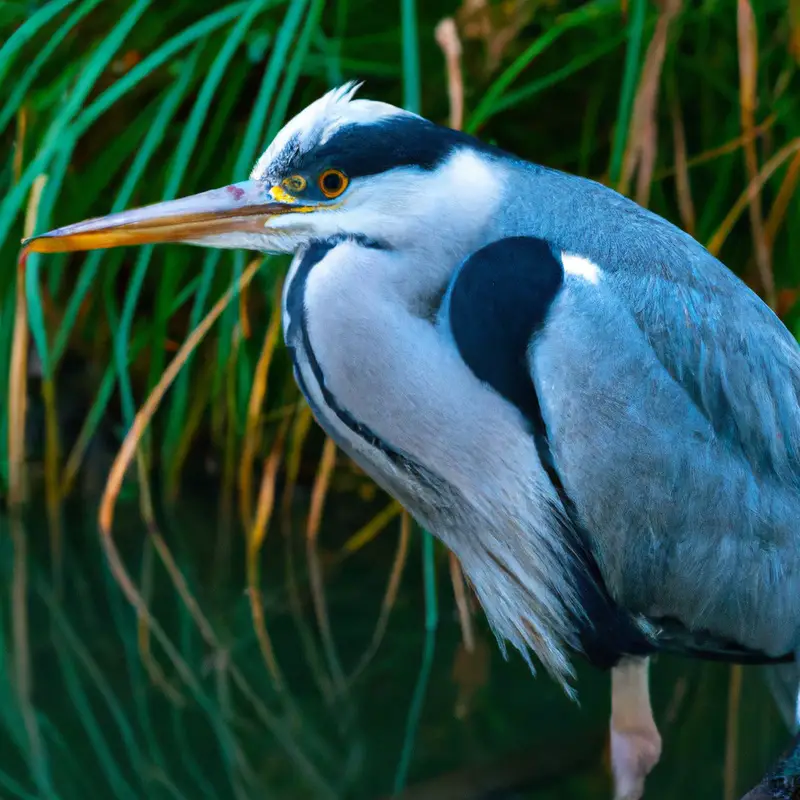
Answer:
(295, 183)
(332, 182)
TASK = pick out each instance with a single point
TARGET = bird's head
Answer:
(342, 167)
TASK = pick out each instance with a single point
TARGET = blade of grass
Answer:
(418, 699)
(18, 382)
(186, 146)
(767, 171)
(53, 139)
(255, 540)
(412, 90)
(283, 40)
(732, 733)
(19, 144)
(253, 431)
(389, 598)
(525, 93)
(23, 84)
(8, 319)
(368, 532)
(446, 34)
(629, 80)
(318, 494)
(747, 37)
(642, 142)
(247, 155)
(37, 20)
(300, 430)
(587, 14)
(683, 187)
(780, 205)
(143, 157)
(105, 760)
(462, 605)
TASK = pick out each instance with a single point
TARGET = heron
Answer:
(589, 409)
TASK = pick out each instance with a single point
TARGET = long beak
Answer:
(239, 208)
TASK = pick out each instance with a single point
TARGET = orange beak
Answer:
(221, 217)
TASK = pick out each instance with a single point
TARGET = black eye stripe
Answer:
(369, 149)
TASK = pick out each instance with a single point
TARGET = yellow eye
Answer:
(332, 183)
(296, 183)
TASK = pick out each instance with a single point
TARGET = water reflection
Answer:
(116, 713)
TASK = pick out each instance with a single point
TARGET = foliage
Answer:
(107, 104)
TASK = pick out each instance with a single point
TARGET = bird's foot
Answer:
(634, 752)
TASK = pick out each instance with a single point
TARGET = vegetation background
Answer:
(200, 596)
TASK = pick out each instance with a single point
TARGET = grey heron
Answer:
(574, 395)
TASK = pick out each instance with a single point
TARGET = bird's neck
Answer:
(383, 381)
(356, 317)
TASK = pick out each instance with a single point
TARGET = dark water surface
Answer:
(106, 729)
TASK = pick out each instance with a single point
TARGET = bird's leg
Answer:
(635, 740)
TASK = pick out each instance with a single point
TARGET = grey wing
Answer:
(671, 411)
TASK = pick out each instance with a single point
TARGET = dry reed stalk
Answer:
(450, 44)
(747, 39)
(255, 540)
(641, 148)
(253, 423)
(318, 494)
(732, 732)
(389, 597)
(755, 185)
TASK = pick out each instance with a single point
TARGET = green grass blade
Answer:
(6, 332)
(105, 760)
(156, 59)
(24, 83)
(585, 15)
(201, 784)
(277, 119)
(630, 78)
(15, 790)
(53, 139)
(247, 155)
(418, 699)
(33, 293)
(176, 174)
(252, 141)
(292, 74)
(206, 96)
(144, 155)
(525, 93)
(412, 95)
(180, 390)
(27, 31)
(412, 90)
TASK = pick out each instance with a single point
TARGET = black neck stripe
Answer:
(298, 331)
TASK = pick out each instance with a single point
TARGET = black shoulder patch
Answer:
(499, 298)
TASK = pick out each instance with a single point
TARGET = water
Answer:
(487, 727)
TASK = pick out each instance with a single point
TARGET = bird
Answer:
(590, 410)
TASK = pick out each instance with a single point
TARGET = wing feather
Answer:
(671, 407)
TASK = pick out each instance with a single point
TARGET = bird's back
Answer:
(670, 393)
